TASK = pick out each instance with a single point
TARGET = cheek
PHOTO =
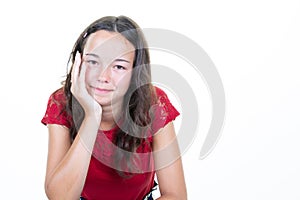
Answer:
(89, 75)
(123, 81)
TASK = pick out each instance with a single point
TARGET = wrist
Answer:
(92, 118)
(93, 115)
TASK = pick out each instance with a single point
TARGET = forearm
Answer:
(66, 181)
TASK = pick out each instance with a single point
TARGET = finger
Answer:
(75, 71)
(81, 78)
(81, 71)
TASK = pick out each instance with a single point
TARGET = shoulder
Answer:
(58, 96)
(158, 91)
(56, 112)
(164, 111)
(160, 96)
(58, 99)
(163, 101)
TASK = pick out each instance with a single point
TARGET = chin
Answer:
(103, 102)
(108, 100)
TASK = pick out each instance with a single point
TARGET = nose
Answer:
(105, 75)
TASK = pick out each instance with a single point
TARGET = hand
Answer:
(79, 91)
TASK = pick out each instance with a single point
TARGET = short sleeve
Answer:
(55, 112)
(165, 112)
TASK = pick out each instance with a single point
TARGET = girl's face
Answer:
(109, 59)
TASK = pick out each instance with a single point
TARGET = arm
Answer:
(170, 175)
(68, 164)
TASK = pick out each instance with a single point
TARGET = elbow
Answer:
(182, 196)
(52, 192)
(179, 194)
(49, 190)
(174, 196)
(55, 191)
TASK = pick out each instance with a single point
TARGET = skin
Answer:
(109, 58)
(99, 81)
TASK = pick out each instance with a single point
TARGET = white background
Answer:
(254, 44)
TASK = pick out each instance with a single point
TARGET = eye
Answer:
(119, 67)
(92, 63)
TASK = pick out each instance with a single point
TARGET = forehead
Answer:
(108, 45)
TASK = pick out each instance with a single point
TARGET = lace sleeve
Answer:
(165, 112)
(55, 112)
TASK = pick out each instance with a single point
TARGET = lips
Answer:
(99, 90)
(103, 90)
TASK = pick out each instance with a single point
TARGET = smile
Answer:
(102, 90)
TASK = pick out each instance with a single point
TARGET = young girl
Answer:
(110, 129)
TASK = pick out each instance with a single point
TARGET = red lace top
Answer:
(103, 181)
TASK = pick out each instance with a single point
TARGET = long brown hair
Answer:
(136, 118)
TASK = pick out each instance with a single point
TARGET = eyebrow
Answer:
(122, 60)
(92, 54)
(118, 59)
